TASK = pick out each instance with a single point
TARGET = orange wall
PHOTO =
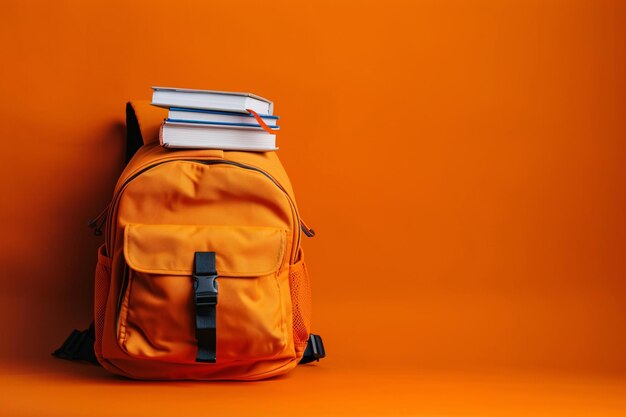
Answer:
(462, 163)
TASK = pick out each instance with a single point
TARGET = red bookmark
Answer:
(261, 122)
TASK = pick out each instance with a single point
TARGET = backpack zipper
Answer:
(110, 209)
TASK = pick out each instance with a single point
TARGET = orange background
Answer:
(461, 161)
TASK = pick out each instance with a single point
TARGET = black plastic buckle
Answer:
(314, 350)
(205, 289)
(317, 347)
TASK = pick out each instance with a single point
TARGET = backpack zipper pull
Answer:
(306, 229)
(98, 222)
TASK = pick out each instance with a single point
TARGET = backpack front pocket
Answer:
(157, 312)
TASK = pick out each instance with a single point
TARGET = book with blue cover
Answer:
(211, 116)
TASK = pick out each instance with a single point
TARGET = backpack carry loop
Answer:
(143, 121)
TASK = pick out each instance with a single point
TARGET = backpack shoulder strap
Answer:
(143, 121)
(79, 346)
(142, 127)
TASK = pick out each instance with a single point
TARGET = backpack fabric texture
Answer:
(202, 273)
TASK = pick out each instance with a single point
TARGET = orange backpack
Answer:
(202, 274)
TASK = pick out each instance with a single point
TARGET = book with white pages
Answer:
(203, 136)
(210, 100)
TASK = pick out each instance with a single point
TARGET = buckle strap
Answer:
(205, 297)
(314, 350)
(78, 346)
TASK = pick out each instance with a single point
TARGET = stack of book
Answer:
(216, 120)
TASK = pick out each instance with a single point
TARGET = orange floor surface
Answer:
(327, 389)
